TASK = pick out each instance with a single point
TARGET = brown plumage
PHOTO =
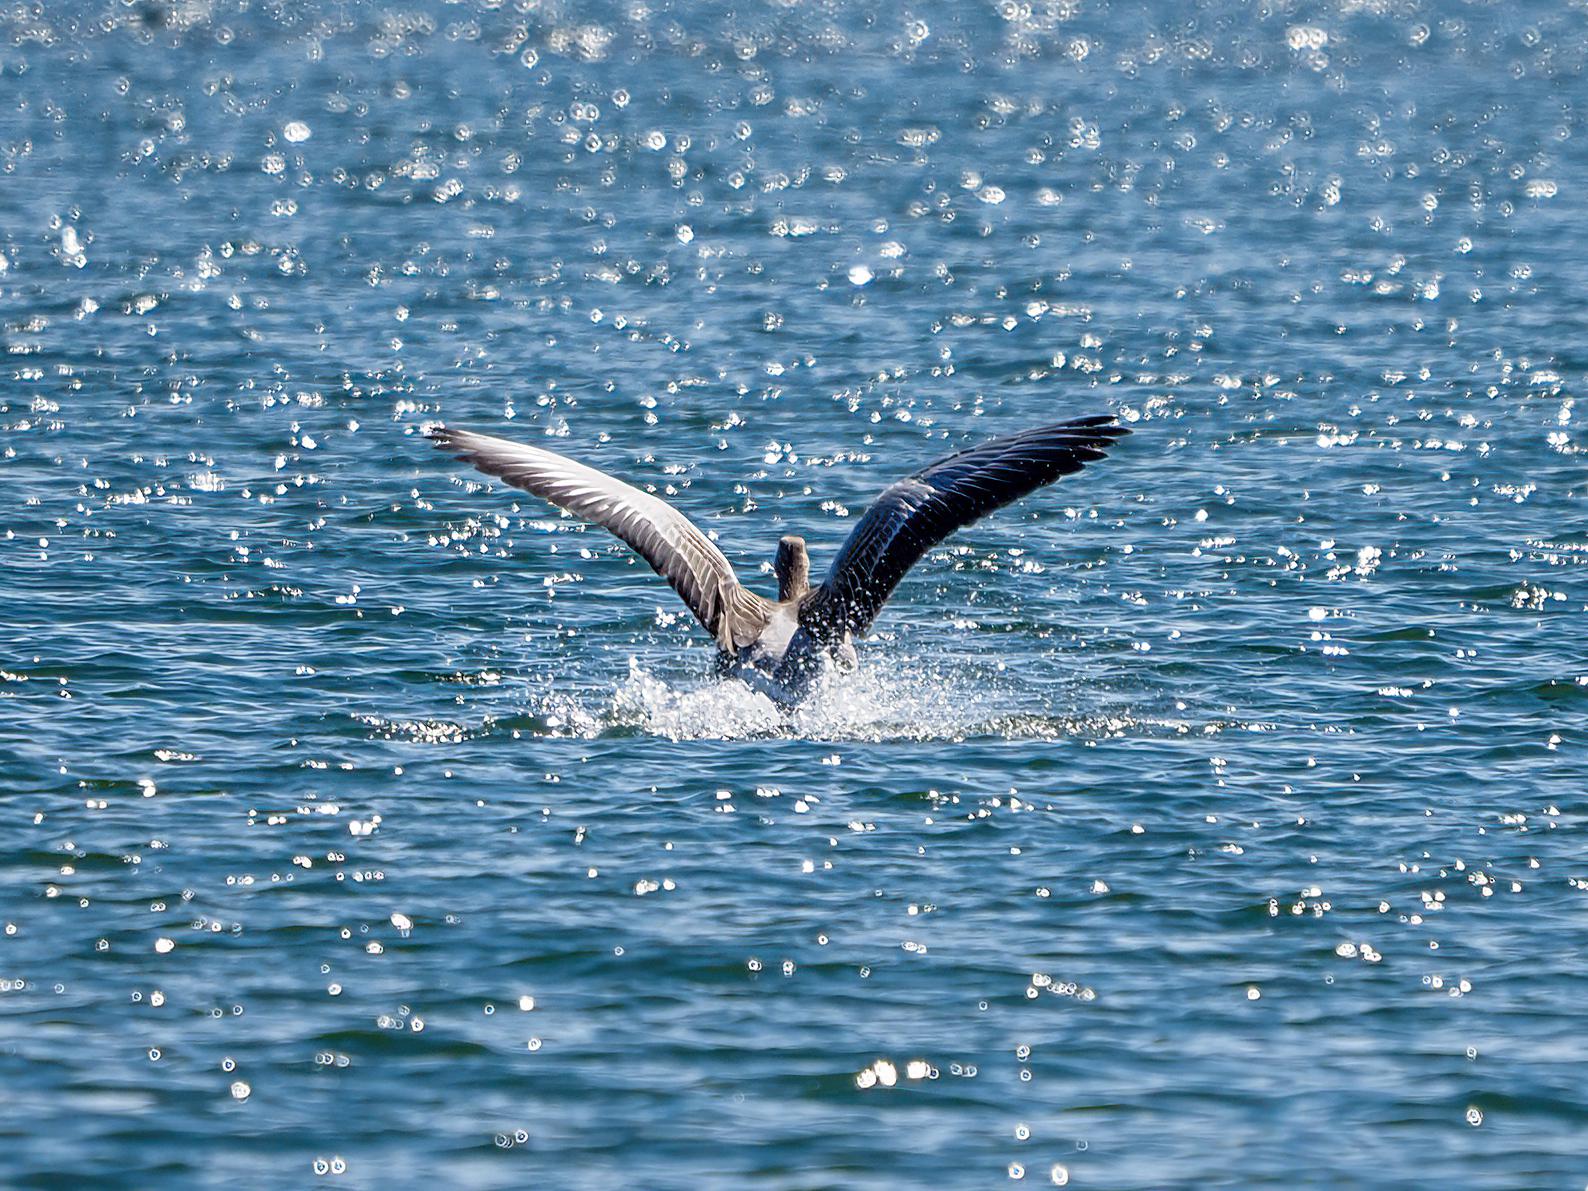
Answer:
(785, 640)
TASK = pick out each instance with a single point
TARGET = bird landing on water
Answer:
(782, 646)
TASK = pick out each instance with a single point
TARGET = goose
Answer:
(783, 645)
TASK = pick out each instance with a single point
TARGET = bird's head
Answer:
(792, 566)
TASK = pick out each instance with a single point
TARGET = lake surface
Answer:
(1215, 817)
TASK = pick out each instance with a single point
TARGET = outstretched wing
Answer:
(676, 549)
(915, 514)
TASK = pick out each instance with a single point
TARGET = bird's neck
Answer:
(793, 586)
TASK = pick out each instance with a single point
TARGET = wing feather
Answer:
(913, 515)
(674, 546)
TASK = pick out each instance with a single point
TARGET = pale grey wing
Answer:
(912, 516)
(676, 549)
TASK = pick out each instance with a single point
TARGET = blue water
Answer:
(1213, 818)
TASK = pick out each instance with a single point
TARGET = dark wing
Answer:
(915, 514)
(676, 549)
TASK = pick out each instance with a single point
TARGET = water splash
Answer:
(891, 698)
